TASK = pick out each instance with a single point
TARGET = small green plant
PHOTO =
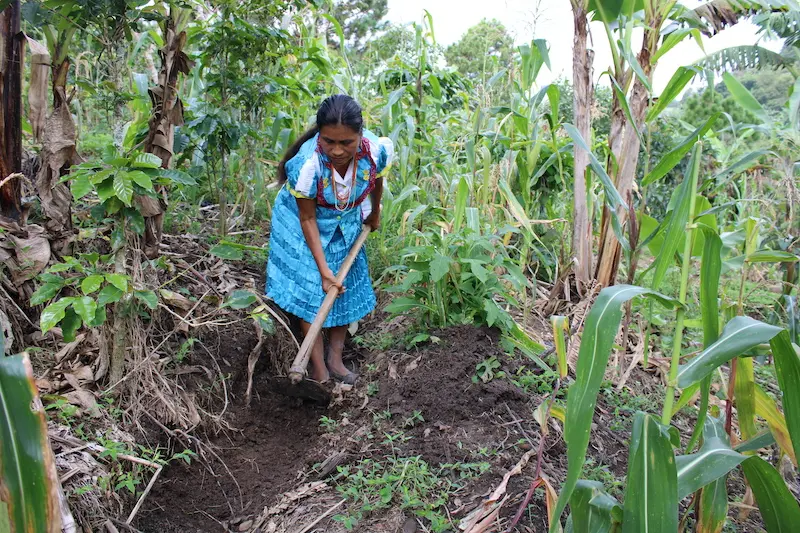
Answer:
(487, 370)
(412, 420)
(184, 349)
(328, 424)
(372, 388)
(457, 278)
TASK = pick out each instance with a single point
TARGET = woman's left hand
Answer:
(374, 219)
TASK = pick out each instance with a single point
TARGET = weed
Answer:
(415, 417)
(487, 370)
(328, 424)
(183, 351)
(372, 388)
(600, 472)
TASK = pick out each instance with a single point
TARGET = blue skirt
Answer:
(293, 280)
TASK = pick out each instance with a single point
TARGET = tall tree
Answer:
(11, 52)
(482, 44)
(360, 20)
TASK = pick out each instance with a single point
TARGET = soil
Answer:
(279, 445)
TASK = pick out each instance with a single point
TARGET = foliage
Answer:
(485, 48)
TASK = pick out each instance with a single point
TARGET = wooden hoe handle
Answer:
(298, 369)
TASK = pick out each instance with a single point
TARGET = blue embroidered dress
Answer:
(293, 279)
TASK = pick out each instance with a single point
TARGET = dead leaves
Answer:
(24, 250)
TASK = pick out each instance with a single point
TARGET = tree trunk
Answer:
(167, 113)
(11, 48)
(582, 106)
(625, 144)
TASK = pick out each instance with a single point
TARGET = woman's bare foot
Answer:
(335, 349)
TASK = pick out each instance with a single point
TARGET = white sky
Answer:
(552, 20)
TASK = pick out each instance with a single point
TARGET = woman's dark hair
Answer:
(336, 109)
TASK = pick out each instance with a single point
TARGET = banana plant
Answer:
(29, 499)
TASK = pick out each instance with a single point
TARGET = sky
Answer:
(552, 20)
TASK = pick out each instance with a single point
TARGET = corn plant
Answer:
(661, 471)
(29, 500)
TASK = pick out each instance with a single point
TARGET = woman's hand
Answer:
(329, 280)
(374, 219)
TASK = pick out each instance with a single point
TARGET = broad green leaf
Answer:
(146, 160)
(713, 507)
(787, 367)
(53, 313)
(85, 306)
(227, 251)
(27, 468)
(771, 256)
(91, 283)
(45, 293)
(123, 187)
(148, 298)
(651, 490)
(108, 294)
(600, 329)
(592, 509)
(778, 507)
(119, 281)
(493, 312)
(767, 409)
(177, 176)
(676, 230)
(135, 220)
(240, 299)
(141, 179)
(674, 87)
(739, 335)
(105, 190)
(81, 186)
(743, 97)
(612, 194)
(672, 158)
(70, 324)
(402, 305)
(714, 460)
(440, 266)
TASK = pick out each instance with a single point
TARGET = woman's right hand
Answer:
(329, 280)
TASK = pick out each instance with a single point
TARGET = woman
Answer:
(332, 184)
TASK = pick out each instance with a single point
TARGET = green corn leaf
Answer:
(27, 468)
(741, 164)
(53, 313)
(714, 460)
(462, 195)
(402, 305)
(600, 328)
(91, 283)
(710, 271)
(592, 509)
(777, 505)
(674, 87)
(771, 256)
(713, 507)
(787, 367)
(85, 306)
(744, 394)
(612, 194)
(763, 440)
(676, 229)
(560, 326)
(123, 187)
(671, 159)
(744, 98)
(767, 409)
(740, 335)
(623, 100)
(794, 105)
(651, 491)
